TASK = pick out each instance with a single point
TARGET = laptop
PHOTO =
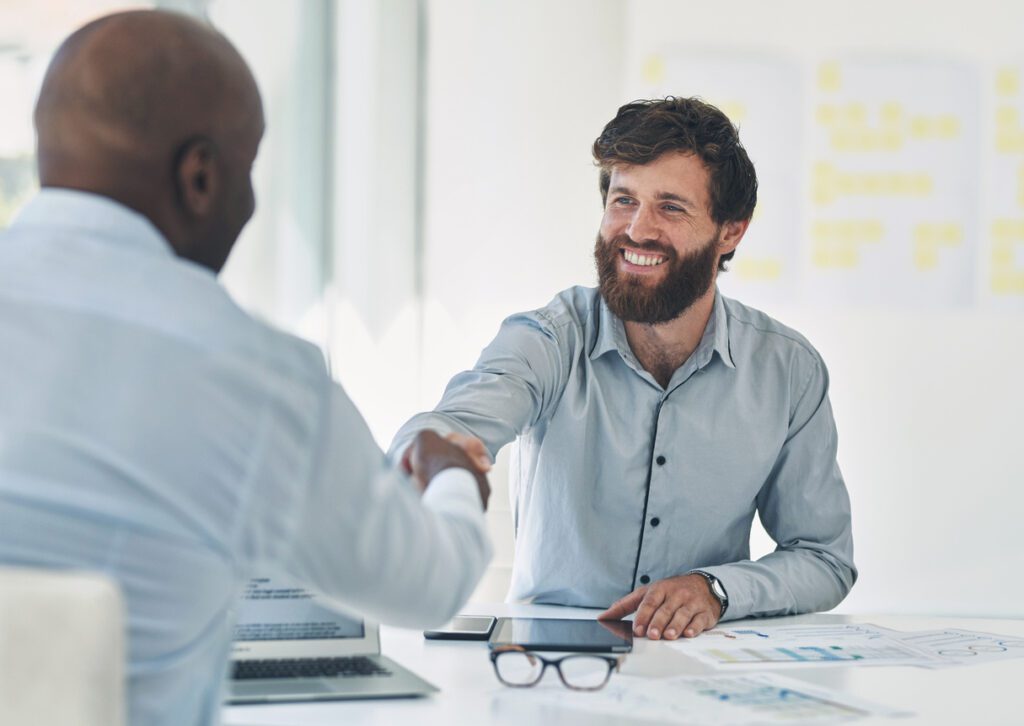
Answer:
(292, 644)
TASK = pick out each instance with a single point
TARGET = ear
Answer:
(197, 176)
(732, 233)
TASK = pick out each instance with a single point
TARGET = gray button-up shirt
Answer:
(617, 481)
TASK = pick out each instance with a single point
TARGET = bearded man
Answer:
(655, 416)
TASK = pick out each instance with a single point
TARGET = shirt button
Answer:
(655, 521)
(660, 461)
(644, 579)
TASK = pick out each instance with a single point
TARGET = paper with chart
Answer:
(961, 647)
(801, 646)
(762, 698)
(795, 646)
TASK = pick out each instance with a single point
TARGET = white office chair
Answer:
(62, 649)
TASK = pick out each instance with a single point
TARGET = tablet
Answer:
(599, 636)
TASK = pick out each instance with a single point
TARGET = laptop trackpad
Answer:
(280, 688)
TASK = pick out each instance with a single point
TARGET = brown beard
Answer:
(630, 298)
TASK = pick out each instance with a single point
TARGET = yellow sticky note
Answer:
(1007, 82)
(654, 70)
(948, 126)
(830, 77)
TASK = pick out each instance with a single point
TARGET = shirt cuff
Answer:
(736, 590)
(455, 491)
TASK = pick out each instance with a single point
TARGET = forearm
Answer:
(397, 559)
(787, 581)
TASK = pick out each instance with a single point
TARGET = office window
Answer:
(29, 34)
(332, 252)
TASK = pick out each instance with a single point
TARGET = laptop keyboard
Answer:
(353, 666)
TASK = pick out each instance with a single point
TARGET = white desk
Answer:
(990, 693)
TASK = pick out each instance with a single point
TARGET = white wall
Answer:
(927, 402)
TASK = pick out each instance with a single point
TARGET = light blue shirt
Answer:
(152, 430)
(617, 481)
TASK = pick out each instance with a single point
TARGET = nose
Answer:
(643, 225)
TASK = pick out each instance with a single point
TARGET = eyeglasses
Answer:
(519, 668)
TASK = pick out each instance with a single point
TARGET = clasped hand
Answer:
(430, 454)
(681, 605)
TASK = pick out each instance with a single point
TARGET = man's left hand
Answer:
(682, 605)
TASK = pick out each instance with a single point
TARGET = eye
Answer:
(673, 208)
(623, 201)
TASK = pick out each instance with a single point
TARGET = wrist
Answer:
(717, 589)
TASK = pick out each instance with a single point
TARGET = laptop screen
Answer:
(277, 609)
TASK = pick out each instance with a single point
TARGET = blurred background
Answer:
(426, 172)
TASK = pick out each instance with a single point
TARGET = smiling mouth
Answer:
(642, 260)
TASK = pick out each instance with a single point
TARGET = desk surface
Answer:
(988, 693)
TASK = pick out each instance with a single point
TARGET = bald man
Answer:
(153, 430)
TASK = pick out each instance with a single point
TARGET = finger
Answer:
(661, 618)
(700, 622)
(651, 602)
(678, 623)
(430, 454)
(407, 460)
(409, 468)
(474, 449)
(624, 606)
(484, 488)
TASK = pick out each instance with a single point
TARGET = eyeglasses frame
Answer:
(614, 665)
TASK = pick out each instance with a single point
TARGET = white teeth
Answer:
(642, 260)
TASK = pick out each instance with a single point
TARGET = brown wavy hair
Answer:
(644, 130)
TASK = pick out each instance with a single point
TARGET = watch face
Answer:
(717, 588)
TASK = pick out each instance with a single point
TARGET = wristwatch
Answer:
(716, 589)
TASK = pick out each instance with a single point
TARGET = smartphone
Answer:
(463, 627)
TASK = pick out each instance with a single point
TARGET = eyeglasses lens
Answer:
(584, 672)
(519, 669)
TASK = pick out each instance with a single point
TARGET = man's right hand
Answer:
(429, 454)
(474, 447)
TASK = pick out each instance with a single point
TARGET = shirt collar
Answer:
(94, 215)
(716, 334)
(611, 335)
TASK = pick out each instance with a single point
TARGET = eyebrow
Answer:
(662, 196)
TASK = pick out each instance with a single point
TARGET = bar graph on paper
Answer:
(803, 645)
(779, 701)
(812, 654)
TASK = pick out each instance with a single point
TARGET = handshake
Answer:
(430, 454)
